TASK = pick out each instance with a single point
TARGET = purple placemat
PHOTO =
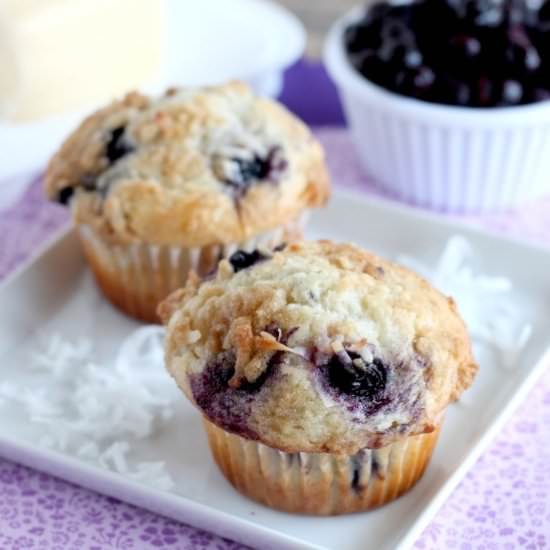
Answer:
(503, 502)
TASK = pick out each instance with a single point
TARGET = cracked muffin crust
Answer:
(192, 168)
(317, 348)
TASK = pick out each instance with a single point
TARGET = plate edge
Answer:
(471, 457)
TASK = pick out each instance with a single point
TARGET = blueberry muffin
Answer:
(322, 371)
(161, 186)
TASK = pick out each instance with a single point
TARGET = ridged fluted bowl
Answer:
(446, 158)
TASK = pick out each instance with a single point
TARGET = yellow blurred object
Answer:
(61, 55)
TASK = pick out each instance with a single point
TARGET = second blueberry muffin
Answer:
(322, 371)
(160, 186)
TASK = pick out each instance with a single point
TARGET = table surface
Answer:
(503, 502)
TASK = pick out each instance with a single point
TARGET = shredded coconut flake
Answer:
(152, 473)
(483, 300)
(96, 411)
(58, 355)
(114, 457)
(88, 451)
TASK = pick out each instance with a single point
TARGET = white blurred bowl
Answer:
(207, 42)
(212, 41)
(454, 159)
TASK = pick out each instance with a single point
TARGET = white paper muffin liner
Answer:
(137, 277)
(446, 158)
(319, 483)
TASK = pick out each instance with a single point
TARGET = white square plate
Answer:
(54, 293)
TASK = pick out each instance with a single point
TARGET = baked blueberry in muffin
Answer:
(326, 351)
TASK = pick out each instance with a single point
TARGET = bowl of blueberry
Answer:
(448, 101)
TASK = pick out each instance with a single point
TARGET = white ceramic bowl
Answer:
(212, 41)
(454, 159)
(207, 42)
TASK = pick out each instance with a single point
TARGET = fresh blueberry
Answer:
(520, 52)
(543, 17)
(481, 13)
(540, 94)
(512, 92)
(413, 59)
(467, 46)
(451, 91)
(416, 82)
(241, 259)
(486, 92)
(490, 14)
(358, 37)
(460, 94)
(396, 31)
(377, 12)
(373, 68)
(469, 57)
